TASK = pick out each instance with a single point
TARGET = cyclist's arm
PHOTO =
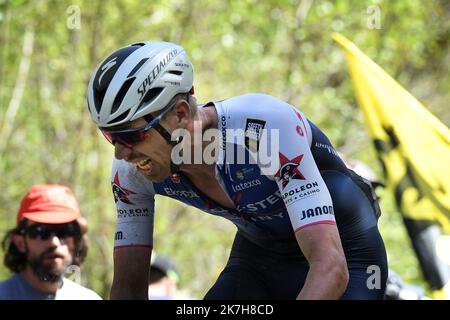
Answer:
(131, 267)
(134, 198)
(310, 209)
(328, 275)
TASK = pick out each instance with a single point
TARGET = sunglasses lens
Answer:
(38, 231)
(34, 231)
(45, 231)
(126, 138)
(108, 137)
(68, 230)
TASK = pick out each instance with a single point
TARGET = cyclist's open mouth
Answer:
(145, 166)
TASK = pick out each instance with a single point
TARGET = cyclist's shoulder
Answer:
(125, 175)
(256, 106)
(253, 98)
(123, 168)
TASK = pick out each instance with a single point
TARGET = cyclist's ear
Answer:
(182, 114)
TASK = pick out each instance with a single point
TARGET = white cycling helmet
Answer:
(137, 80)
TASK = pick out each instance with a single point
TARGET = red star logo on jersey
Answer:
(119, 192)
(289, 169)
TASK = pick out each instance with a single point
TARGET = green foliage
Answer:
(280, 47)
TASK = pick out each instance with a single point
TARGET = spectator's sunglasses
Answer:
(45, 231)
(131, 136)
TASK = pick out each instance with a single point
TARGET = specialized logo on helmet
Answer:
(155, 72)
(111, 63)
(120, 193)
(289, 169)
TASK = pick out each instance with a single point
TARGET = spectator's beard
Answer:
(51, 272)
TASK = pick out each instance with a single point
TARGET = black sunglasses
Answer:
(45, 231)
(131, 136)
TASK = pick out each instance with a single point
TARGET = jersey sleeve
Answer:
(134, 198)
(302, 188)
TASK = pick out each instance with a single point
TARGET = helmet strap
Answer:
(163, 132)
(166, 136)
(174, 168)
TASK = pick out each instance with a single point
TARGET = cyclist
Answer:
(306, 225)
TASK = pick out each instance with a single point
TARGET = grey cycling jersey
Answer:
(265, 165)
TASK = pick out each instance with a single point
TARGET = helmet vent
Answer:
(98, 98)
(151, 95)
(121, 94)
(138, 44)
(137, 67)
(121, 117)
(176, 72)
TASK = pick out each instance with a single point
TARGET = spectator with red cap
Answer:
(49, 239)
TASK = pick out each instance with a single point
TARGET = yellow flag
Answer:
(413, 145)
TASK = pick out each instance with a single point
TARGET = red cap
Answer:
(49, 203)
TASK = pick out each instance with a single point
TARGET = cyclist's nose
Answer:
(121, 151)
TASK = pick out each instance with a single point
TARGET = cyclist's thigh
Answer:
(368, 269)
(238, 283)
(363, 286)
(356, 217)
(288, 277)
(242, 277)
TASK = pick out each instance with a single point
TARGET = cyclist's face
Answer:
(150, 156)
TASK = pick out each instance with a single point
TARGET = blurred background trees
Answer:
(282, 47)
